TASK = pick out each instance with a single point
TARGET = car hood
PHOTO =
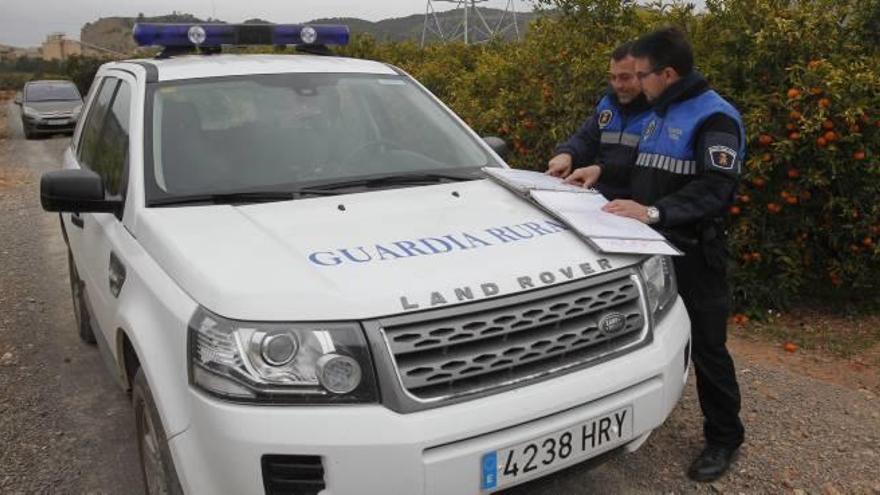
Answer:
(366, 255)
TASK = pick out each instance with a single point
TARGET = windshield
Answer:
(51, 92)
(286, 130)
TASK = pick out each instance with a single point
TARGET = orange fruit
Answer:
(790, 347)
(821, 142)
(793, 173)
(794, 115)
(793, 93)
(868, 242)
(765, 139)
(794, 136)
(766, 157)
(859, 155)
(828, 124)
(830, 136)
(855, 129)
(792, 127)
(758, 182)
(792, 200)
(812, 64)
(824, 103)
(815, 91)
(734, 210)
(745, 198)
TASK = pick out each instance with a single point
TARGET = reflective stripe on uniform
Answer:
(622, 138)
(667, 163)
(609, 137)
(631, 140)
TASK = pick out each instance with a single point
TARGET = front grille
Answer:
(517, 340)
(292, 474)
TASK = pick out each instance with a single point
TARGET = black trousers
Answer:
(702, 283)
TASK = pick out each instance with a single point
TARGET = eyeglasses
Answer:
(656, 70)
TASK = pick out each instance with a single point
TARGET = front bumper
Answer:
(370, 449)
(50, 126)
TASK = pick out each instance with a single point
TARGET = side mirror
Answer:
(80, 191)
(18, 99)
(498, 146)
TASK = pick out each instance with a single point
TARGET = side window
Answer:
(104, 142)
(112, 156)
(88, 141)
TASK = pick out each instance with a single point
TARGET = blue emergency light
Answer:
(216, 35)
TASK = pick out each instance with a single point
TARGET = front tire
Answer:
(80, 310)
(157, 466)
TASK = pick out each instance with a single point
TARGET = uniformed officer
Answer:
(687, 170)
(609, 137)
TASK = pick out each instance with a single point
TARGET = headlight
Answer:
(280, 362)
(76, 111)
(30, 112)
(659, 276)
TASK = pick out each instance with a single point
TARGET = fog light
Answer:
(338, 374)
(279, 349)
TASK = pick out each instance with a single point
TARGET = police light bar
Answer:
(217, 35)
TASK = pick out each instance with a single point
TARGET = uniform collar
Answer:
(639, 105)
(685, 88)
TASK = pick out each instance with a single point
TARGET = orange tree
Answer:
(804, 74)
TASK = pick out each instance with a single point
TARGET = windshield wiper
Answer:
(227, 198)
(324, 189)
(390, 180)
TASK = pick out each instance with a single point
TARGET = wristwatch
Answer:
(653, 215)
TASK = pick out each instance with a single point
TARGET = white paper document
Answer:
(634, 246)
(584, 214)
(607, 232)
(528, 180)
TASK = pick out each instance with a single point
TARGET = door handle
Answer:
(77, 220)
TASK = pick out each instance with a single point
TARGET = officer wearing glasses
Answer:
(610, 136)
(688, 166)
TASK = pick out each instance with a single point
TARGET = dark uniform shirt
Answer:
(688, 203)
(587, 147)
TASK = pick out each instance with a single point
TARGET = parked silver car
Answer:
(49, 107)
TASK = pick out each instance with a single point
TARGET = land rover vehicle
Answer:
(297, 265)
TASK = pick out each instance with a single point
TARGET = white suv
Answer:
(297, 266)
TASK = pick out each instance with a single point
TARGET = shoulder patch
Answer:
(722, 157)
(605, 118)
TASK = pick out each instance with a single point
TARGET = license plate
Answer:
(576, 443)
(58, 122)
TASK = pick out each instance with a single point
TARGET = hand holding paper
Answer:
(585, 177)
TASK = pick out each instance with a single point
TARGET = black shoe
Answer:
(712, 463)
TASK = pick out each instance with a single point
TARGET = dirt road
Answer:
(66, 428)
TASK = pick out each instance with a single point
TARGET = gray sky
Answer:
(27, 22)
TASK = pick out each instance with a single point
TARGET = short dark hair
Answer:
(667, 47)
(622, 51)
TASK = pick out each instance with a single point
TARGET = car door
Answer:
(98, 104)
(106, 152)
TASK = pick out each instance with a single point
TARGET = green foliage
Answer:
(806, 224)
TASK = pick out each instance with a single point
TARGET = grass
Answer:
(845, 336)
